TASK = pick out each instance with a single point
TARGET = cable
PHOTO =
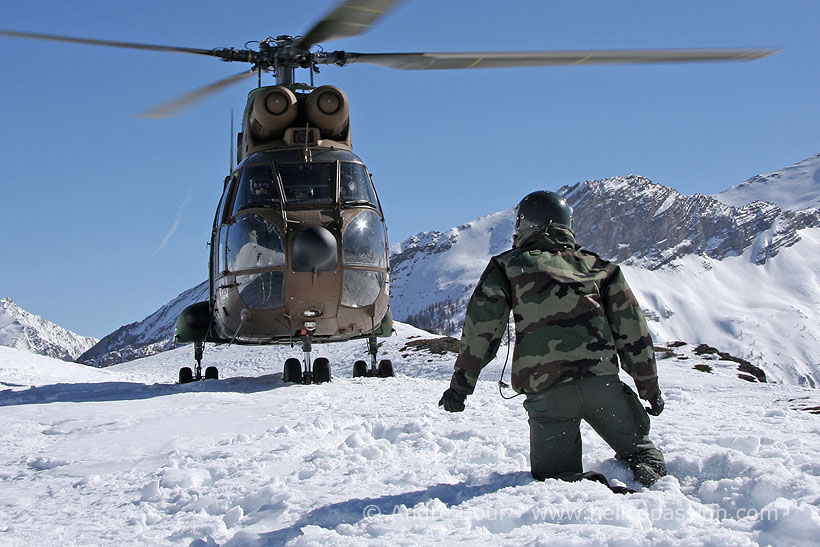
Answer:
(501, 383)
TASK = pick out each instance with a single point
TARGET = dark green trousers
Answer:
(614, 412)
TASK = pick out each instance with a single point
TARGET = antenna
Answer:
(233, 153)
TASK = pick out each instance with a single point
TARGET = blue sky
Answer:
(106, 216)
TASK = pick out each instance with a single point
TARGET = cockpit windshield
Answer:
(257, 188)
(354, 185)
(308, 183)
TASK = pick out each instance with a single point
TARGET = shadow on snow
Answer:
(128, 391)
(355, 510)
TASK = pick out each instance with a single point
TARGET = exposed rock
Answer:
(438, 346)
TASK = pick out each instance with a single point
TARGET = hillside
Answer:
(794, 188)
(23, 330)
(150, 336)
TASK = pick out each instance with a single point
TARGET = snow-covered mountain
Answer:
(742, 278)
(23, 330)
(794, 188)
(152, 335)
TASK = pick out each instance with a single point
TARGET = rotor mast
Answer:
(284, 58)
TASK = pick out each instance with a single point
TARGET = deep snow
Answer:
(123, 455)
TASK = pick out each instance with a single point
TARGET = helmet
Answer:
(346, 186)
(261, 185)
(541, 209)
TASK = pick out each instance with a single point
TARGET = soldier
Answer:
(575, 320)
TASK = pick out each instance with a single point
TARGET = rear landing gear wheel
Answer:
(321, 370)
(186, 375)
(386, 368)
(211, 373)
(293, 371)
(359, 369)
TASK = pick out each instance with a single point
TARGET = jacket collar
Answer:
(554, 238)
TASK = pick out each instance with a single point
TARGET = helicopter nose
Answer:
(314, 249)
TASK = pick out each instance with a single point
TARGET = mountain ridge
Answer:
(793, 188)
(23, 330)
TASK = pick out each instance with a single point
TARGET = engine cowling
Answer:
(328, 109)
(273, 110)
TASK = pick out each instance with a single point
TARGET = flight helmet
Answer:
(540, 210)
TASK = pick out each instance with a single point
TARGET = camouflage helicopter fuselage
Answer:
(299, 243)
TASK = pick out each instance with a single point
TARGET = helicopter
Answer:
(298, 247)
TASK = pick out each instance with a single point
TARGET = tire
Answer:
(211, 373)
(293, 371)
(386, 368)
(186, 375)
(359, 369)
(321, 370)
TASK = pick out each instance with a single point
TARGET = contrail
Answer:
(176, 221)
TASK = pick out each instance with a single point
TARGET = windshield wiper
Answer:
(355, 202)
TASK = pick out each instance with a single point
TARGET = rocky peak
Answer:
(636, 221)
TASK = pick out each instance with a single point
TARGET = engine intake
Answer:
(328, 109)
(273, 110)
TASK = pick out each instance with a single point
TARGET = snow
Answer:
(451, 264)
(23, 330)
(124, 455)
(793, 188)
(768, 312)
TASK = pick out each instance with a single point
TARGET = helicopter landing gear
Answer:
(293, 371)
(187, 375)
(384, 368)
(321, 370)
(360, 369)
(316, 372)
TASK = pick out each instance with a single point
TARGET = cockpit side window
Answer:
(354, 186)
(257, 189)
(308, 183)
(220, 210)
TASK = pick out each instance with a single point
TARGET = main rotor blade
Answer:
(93, 42)
(171, 108)
(431, 61)
(350, 18)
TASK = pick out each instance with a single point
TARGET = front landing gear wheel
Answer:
(186, 375)
(293, 371)
(359, 369)
(321, 370)
(386, 368)
(211, 373)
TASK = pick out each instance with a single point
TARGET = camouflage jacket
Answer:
(574, 316)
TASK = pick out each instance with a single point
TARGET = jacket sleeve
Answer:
(488, 313)
(631, 334)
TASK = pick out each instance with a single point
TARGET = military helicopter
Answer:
(299, 247)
